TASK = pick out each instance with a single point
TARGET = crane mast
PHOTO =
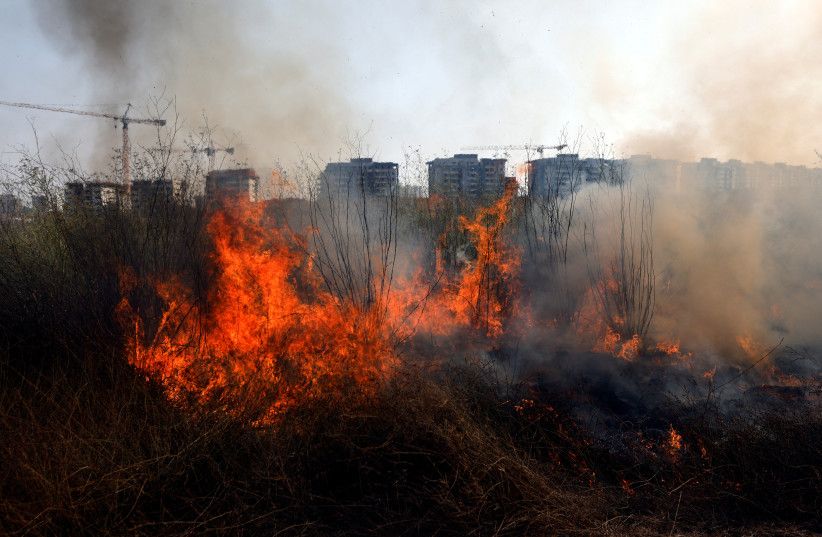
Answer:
(211, 153)
(126, 151)
(123, 119)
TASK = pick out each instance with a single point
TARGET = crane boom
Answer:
(124, 119)
(210, 152)
(159, 122)
(539, 148)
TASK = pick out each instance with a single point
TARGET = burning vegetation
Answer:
(265, 329)
(380, 364)
(268, 327)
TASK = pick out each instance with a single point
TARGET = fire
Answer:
(487, 287)
(609, 331)
(784, 379)
(266, 330)
(612, 343)
(609, 343)
(477, 289)
(630, 349)
(674, 441)
(671, 348)
(749, 346)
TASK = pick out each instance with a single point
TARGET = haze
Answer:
(283, 80)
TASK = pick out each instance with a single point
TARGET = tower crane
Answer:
(209, 151)
(539, 148)
(123, 119)
(212, 151)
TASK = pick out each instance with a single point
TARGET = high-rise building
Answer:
(714, 175)
(663, 172)
(146, 194)
(10, 205)
(465, 174)
(566, 173)
(95, 195)
(40, 203)
(360, 175)
(239, 184)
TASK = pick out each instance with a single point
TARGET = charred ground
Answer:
(481, 417)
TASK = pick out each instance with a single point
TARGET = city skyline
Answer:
(421, 76)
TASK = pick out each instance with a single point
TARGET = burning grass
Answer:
(270, 329)
(267, 329)
(201, 375)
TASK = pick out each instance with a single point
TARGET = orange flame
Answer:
(749, 345)
(267, 329)
(485, 292)
(671, 348)
(613, 344)
(609, 343)
(674, 441)
(630, 349)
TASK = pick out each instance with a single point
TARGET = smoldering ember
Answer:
(353, 269)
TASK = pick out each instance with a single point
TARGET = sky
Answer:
(289, 81)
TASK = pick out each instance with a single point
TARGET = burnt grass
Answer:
(90, 446)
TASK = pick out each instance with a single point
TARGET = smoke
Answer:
(728, 266)
(733, 265)
(741, 82)
(710, 251)
(217, 59)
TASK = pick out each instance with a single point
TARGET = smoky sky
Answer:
(741, 80)
(204, 54)
(730, 80)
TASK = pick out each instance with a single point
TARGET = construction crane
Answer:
(210, 152)
(124, 120)
(528, 147)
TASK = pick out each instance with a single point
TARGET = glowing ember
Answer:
(703, 451)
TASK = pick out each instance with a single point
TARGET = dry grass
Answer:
(89, 447)
(429, 454)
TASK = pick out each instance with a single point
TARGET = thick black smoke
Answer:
(214, 58)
